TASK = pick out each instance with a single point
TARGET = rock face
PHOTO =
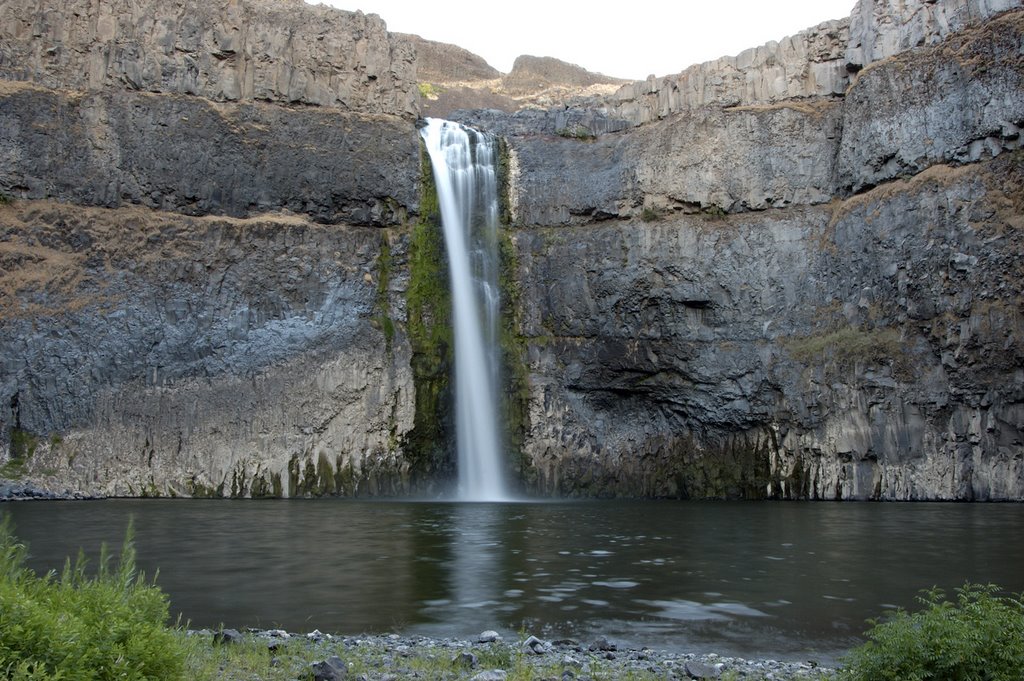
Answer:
(151, 353)
(194, 156)
(719, 160)
(794, 273)
(716, 305)
(882, 28)
(958, 102)
(869, 349)
(196, 290)
(282, 51)
(820, 61)
(810, 63)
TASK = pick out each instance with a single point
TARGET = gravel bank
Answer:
(489, 658)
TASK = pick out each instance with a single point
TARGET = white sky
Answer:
(625, 40)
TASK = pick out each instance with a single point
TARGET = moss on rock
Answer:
(428, 446)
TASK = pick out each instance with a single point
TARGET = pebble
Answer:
(699, 670)
(535, 646)
(228, 636)
(491, 675)
(465, 659)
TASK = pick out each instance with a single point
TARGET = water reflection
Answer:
(791, 580)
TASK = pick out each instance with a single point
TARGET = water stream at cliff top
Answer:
(464, 165)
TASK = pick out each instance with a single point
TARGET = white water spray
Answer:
(464, 164)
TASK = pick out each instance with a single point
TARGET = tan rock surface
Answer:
(226, 50)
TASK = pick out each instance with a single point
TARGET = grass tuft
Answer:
(112, 625)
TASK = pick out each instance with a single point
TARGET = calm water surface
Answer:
(784, 580)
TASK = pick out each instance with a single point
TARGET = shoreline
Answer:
(488, 657)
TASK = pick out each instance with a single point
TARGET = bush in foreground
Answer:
(73, 626)
(977, 637)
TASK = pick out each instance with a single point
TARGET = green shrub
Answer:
(715, 212)
(978, 637)
(23, 444)
(91, 628)
(650, 215)
(849, 346)
(576, 132)
(429, 91)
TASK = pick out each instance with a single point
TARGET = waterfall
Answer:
(464, 165)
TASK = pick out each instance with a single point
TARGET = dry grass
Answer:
(42, 272)
(811, 106)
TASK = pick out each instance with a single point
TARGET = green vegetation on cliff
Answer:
(428, 302)
(23, 446)
(383, 302)
(849, 346)
(515, 388)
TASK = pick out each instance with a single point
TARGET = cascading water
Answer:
(464, 164)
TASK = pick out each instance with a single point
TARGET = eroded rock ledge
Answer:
(283, 51)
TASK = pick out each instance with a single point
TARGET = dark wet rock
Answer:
(465, 659)
(535, 646)
(698, 670)
(228, 637)
(331, 669)
(11, 490)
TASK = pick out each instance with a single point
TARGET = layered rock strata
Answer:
(711, 310)
(883, 28)
(820, 61)
(283, 51)
(148, 353)
(958, 102)
(810, 63)
(203, 237)
(194, 156)
(792, 274)
(866, 349)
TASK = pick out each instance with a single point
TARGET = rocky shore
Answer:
(13, 490)
(486, 658)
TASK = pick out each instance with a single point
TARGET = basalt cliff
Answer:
(792, 273)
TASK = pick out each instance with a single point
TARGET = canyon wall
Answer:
(816, 297)
(819, 61)
(792, 273)
(281, 51)
(204, 231)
